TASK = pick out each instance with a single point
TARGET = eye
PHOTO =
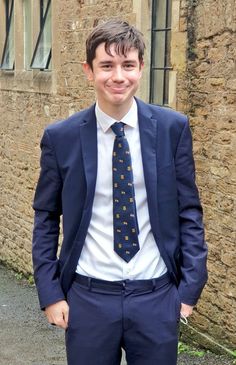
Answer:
(129, 66)
(106, 67)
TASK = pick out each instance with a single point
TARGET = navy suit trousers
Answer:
(140, 316)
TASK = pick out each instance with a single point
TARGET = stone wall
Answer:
(203, 55)
(211, 104)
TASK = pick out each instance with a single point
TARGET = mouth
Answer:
(118, 90)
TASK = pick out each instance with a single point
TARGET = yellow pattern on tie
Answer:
(126, 243)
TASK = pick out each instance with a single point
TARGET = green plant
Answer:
(19, 275)
(184, 348)
(31, 280)
(234, 353)
(197, 353)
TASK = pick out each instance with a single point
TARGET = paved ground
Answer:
(26, 338)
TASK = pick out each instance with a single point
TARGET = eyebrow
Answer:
(130, 61)
(111, 61)
(105, 62)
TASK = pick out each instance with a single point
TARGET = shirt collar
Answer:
(105, 121)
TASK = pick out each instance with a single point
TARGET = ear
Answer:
(88, 71)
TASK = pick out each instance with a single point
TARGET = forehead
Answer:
(101, 53)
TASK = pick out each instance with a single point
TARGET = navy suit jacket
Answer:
(66, 187)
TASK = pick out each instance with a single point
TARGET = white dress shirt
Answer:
(98, 258)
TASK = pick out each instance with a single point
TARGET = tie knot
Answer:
(118, 129)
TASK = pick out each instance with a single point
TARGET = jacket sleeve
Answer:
(193, 249)
(47, 206)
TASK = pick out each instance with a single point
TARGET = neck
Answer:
(116, 112)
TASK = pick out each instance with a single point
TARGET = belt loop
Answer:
(153, 284)
(89, 284)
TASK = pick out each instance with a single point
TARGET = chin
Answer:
(120, 98)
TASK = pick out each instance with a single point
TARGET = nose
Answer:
(118, 75)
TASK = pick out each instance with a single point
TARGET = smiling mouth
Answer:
(118, 90)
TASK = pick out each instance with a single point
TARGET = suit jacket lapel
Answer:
(88, 136)
(148, 137)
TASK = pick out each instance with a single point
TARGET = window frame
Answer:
(9, 23)
(43, 19)
(166, 68)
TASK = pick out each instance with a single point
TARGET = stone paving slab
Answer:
(27, 339)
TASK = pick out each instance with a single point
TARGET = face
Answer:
(116, 78)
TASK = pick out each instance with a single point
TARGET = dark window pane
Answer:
(159, 10)
(8, 56)
(158, 85)
(166, 88)
(167, 50)
(8, 8)
(158, 49)
(42, 53)
(169, 4)
(43, 8)
(27, 12)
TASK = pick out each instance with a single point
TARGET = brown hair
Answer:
(117, 32)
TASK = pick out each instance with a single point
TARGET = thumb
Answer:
(66, 315)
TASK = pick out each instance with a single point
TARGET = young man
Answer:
(121, 173)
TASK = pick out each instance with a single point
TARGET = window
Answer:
(8, 57)
(43, 49)
(27, 11)
(160, 52)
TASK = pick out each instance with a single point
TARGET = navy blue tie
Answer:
(125, 223)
